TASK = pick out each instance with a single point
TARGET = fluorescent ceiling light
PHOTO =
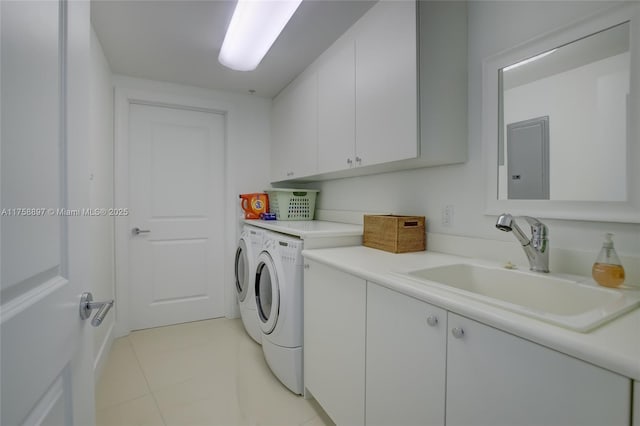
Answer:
(526, 61)
(255, 25)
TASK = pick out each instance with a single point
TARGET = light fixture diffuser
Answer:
(254, 27)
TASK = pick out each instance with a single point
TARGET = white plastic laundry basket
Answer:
(292, 204)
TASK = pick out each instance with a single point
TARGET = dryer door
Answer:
(243, 278)
(267, 292)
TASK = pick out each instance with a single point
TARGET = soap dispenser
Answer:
(607, 270)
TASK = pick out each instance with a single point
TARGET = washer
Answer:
(249, 247)
(278, 287)
(278, 294)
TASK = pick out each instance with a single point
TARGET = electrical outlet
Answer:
(447, 216)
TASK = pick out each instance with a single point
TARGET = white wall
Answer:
(101, 194)
(587, 109)
(493, 27)
(247, 156)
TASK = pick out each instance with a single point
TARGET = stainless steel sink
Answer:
(557, 300)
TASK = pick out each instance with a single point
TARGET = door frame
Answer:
(123, 99)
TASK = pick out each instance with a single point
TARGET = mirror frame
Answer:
(624, 212)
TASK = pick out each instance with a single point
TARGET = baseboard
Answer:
(102, 355)
(232, 313)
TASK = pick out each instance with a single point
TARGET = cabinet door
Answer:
(279, 137)
(303, 155)
(336, 109)
(443, 81)
(334, 341)
(386, 84)
(295, 130)
(406, 356)
(494, 378)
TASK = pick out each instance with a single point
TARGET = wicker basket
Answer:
(397, 234)
(292, 204)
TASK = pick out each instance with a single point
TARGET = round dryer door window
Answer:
(267, 293)
(243, 280)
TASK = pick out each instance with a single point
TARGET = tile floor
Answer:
(201, 373)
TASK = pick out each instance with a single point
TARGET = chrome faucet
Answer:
(536, 249)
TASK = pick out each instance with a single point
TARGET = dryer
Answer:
(278, 294)
(249, 247)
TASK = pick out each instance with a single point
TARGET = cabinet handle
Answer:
(358, 160)
(306, 266)
(349, 162)
(432, 320)
(289, 173)
(457, 332)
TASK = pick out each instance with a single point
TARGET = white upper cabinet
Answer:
(279, 135)
(337, 109)
(442, 68)
(367, 91)
(389, 94)
(295, 130)
(386, 84)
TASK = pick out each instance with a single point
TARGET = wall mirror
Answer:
(560, 137)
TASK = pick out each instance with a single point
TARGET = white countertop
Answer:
(309, 228)
(614, 346)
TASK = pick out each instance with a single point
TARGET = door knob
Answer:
(87, 305)
(138, 231)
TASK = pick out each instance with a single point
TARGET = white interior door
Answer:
(176, 187)
(46, 349)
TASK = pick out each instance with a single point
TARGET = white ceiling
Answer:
(179, 40)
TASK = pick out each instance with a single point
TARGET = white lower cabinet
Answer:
(495, 378)
(406, 360)
(334, 342)
(422, 365)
